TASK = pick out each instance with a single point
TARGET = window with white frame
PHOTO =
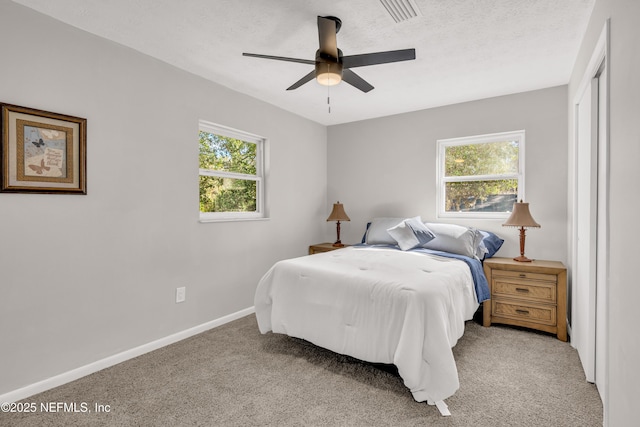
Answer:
(231, 173)
(480, 176)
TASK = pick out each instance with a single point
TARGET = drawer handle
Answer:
(523, 290)
(522, 311)
(522, 275)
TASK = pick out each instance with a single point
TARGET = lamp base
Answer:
(522, 258)
(338, 243)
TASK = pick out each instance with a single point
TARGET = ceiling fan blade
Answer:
(365, 59)
(356, 81)
(280, 58)
(327, 35)
(305, 79)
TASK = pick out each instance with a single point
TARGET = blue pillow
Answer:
(364, 236)
(491, 242)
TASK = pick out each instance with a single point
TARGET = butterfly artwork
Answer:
(34, 136)
(39, 169)
(41, 151)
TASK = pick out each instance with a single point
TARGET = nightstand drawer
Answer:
(538, 291)
(544, 315)
(525, 275)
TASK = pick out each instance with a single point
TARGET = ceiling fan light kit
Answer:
(331, 67)
(328, 74)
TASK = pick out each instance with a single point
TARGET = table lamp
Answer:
(521, 217)
(338, 214)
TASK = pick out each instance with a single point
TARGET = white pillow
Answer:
(454, 238)
(377, 232)
(411, 233)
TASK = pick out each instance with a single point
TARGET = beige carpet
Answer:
(233, 376)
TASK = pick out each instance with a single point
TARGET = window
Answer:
(480, 176)
(231, 174)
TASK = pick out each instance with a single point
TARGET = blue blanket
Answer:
(477, 272)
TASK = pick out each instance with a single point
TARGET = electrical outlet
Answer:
(181, 294)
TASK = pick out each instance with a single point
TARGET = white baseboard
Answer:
(66, 377)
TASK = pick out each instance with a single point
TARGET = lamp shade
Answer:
(521, 217)
(338, 213)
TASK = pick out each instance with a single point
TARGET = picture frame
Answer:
(42, 151)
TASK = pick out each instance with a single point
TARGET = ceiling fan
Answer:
(331, 67)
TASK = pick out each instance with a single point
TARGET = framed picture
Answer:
(42, 152)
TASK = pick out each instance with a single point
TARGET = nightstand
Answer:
(323, 247)
(528, 294)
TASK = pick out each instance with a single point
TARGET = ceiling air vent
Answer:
(401, 10)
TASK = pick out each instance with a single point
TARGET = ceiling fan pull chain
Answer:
(328, 90)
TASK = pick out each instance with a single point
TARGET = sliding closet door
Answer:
(602, 251)
(590, 231)
(584, 273)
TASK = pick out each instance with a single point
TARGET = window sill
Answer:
(474, 215)
(207, 220)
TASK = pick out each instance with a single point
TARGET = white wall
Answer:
(387, 166)
(624, 150)
(86, 277)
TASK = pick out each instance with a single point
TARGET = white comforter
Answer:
(377, 305)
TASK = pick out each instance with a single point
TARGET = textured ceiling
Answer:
(465, 49)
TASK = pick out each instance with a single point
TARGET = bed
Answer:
(379, 303)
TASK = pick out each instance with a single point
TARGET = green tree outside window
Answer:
(480, 175)
(236, 191)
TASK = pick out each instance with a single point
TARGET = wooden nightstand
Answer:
(323, 247)
(529, 294)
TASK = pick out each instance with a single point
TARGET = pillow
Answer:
(491, 243)
(411, 233)
(422, 233)
(377, 232)
(454, 238)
